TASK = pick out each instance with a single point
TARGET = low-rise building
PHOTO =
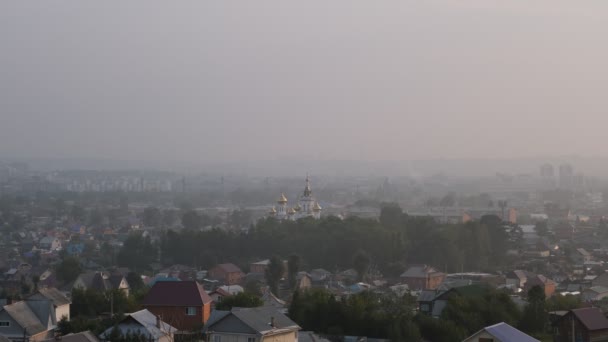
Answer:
(422, 277)
(501, 332)
(261, 324)
(230, 274)
(585, 325)
(144, 324)
(183, 304)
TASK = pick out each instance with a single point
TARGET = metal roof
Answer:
(177, 293)
(506, 333)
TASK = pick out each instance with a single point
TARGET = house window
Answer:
(191, 311)
(5, 324)
(217, 338)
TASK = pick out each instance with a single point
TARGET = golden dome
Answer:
(282, 199)
(316, 207)
(291, 211)
(297, 207)
(272, 211)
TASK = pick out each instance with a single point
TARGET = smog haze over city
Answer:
(345, 170)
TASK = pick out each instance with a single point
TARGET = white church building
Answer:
(306, 207)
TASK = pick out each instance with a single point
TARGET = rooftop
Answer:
(176, 293)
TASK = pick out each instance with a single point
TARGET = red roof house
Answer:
(182, 304)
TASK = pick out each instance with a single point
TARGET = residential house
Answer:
(303, 281)
(85, 336)
(61, 303)
(594, 293)
(427, 300)
(545, 283)
(28, 321)
(319, 274)
(422, 277)
(581, 256)
(101, 281)
(271, 300)
(501, 332)
(221, 292)
(432, 302)
(232, 289)
(49, 243)
(261, 324)
(259, 267)
(183, 304)
(517, 279)
(601, 280)
(230, 274)
(217, 296)
(581, 325)
(526, 280)
(142, 323)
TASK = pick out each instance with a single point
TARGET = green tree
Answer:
(274, 273)
(391, 215)
(361, 263)
(535, 318)
(293, 267)
(68, 270)
(135, 281)
(240, 300)
(191, 220)
(137, 252)
(152, 217)
(567, 302)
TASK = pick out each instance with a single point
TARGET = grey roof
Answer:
(598, 289)
(427, 295)
(4, 339)
(216, 315)
(257, 319)
(506, 333)
(54, 295)
(32, 316)
(270, 299)
(147, 322)
(85, 336)
(419, 271)
(438, 307)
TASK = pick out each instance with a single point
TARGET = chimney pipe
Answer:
(158, 322)
(272, 322)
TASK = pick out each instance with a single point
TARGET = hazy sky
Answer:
(227, 80)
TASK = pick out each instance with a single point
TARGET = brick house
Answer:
(422, 277)
(182, 304)
(230, 274)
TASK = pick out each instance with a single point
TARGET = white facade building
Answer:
(307, 206)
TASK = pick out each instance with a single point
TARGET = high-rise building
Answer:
(546, 171)
(566, 176)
